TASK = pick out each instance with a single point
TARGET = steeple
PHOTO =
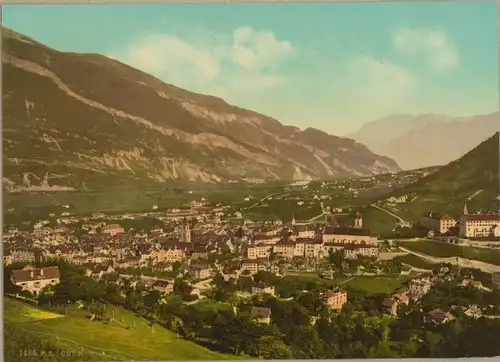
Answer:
(358, 221)
(293, 219)
(466, 212)
(187, 232)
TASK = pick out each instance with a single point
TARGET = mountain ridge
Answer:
(428, 139)
(472, 178)
(157, 132)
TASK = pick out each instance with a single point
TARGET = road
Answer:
(474, 195)
(464, 263)
(265, 198)
(403, 221)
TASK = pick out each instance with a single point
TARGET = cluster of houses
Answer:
(333, 299)
(478, 225)
(312, 241)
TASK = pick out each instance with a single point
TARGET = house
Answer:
(495, 280)
(34, 279)
(390, 305)
(352, 251)
(7, 257)
(437, 223)
(418, 288)
(479, 225)
(112, 229)
(473, 311)
(262, 288)
(261, 315)
(200, 271)
(163, 286)
(22, 256)
(251, 265)
(335, 299)
(286, 249)
(473, 283)
(438, 316)
(348, 235)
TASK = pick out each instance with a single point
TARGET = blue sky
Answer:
(333, 66)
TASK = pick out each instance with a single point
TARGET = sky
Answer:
(332, 66)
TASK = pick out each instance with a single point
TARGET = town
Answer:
(206, 259)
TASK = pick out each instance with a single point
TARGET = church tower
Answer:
(358, 221)
(293, 219)
(187, 232)
(466, 212)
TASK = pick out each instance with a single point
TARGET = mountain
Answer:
(426, 140)
(85, 120)
(472, 179)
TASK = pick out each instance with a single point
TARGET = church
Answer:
(356, 234)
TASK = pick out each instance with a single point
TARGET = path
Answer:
(465, 263)
(473, 195)
(347, 280)
(400, 219)
(265, 198)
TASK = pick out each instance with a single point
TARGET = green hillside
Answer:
(74, 332)
(446, 190)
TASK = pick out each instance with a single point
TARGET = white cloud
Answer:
(384, 83)
(434, 45)
(244, 61)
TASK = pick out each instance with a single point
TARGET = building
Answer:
(263, 288)
(163, 286)
(495, 279)
(353, 251)
(313, 249)
(186, 236)
(348, 235)
(112, 229)
(437, 223)
(286, 249)
(168, 255)
(261, 315)
(438, 316)
(251, 265)
(34, 279)
(335, 299)
(479, 225)
(418, 288)
(259, 251)
(7, 257)
(200, 271)
(22, 256)
(358, 221)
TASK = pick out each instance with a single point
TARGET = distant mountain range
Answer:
(471, 179)
(80, 121)
(426, 140)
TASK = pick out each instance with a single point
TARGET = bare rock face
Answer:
(84, 119)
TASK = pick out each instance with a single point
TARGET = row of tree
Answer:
(302, 327)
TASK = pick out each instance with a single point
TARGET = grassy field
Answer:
(113, 341)
(376, 284)
(369, 284)
(444, 250)
(415, 261)
(379, 222)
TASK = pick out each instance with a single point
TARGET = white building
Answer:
(34, 279)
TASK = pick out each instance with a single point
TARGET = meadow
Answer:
(446, 250)
(111, 341)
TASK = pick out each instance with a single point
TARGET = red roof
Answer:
(483, 217)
